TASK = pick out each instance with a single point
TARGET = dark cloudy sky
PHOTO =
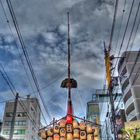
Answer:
(43, 25)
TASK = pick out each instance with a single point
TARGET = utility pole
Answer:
(108, 65)
(13, 117)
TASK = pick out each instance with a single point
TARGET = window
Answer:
(7, 123)
(9, 114)
(18, 114)
(124, 71)
(126, 83)
(17, 123)
(127, 96)
(130, 109)
(16, 132)
(123, 75)
(21, 114)
(19, 132)
(6, 132)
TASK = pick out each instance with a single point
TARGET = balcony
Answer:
(131, 115)
(126, 90)
(128, 102)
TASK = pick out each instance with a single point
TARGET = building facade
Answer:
(130, 84)
(93, 115)
(24, 128)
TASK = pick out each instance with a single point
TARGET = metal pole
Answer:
(13, 117)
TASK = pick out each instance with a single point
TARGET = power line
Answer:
(136, 76)
(6, 78)
(135, 62)
(131, 33)
(12, 87)
(20, 55)
(26, 53)
(113, 25)
(121, 24)
(134, 38)
(128, 20)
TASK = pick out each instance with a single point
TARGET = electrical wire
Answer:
(26, 54)
(135, 62)
(20, 55)
(137, 73)
(131, 33)
(132, 43)
(13, 90)
(113, 25)
(128, 20)
(8, 81)
(119, 33)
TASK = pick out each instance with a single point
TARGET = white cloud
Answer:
(43, 24)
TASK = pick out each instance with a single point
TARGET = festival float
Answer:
(68, 128)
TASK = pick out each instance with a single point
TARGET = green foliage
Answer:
(130, 134)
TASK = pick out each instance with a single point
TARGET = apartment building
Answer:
(130, 83)
(25, 128)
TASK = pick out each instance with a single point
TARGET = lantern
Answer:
(83, 135)
(62, 132)
(69, 136)
(76, 133)
(62, 138)
(50, 132)
(56, 128)
(43, 134)
(56, 137)
(49, 138)
(69, 128)
(75, 124)
(62, 123)
(89, 136)
(82, 126)
(89, 129)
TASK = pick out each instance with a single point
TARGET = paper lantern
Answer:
(69, 136)
(56, 137)
(43, 134)
(69, 128)
(75, 124)
(90, 137)
(83, 135)
(56, 129)
(62, 132)
(82, 125)
(76, 133)
(62, 138)
(49, 138)
(89, 129)
(50, 132)
(62, 123)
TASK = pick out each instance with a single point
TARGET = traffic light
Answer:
(108, 64)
